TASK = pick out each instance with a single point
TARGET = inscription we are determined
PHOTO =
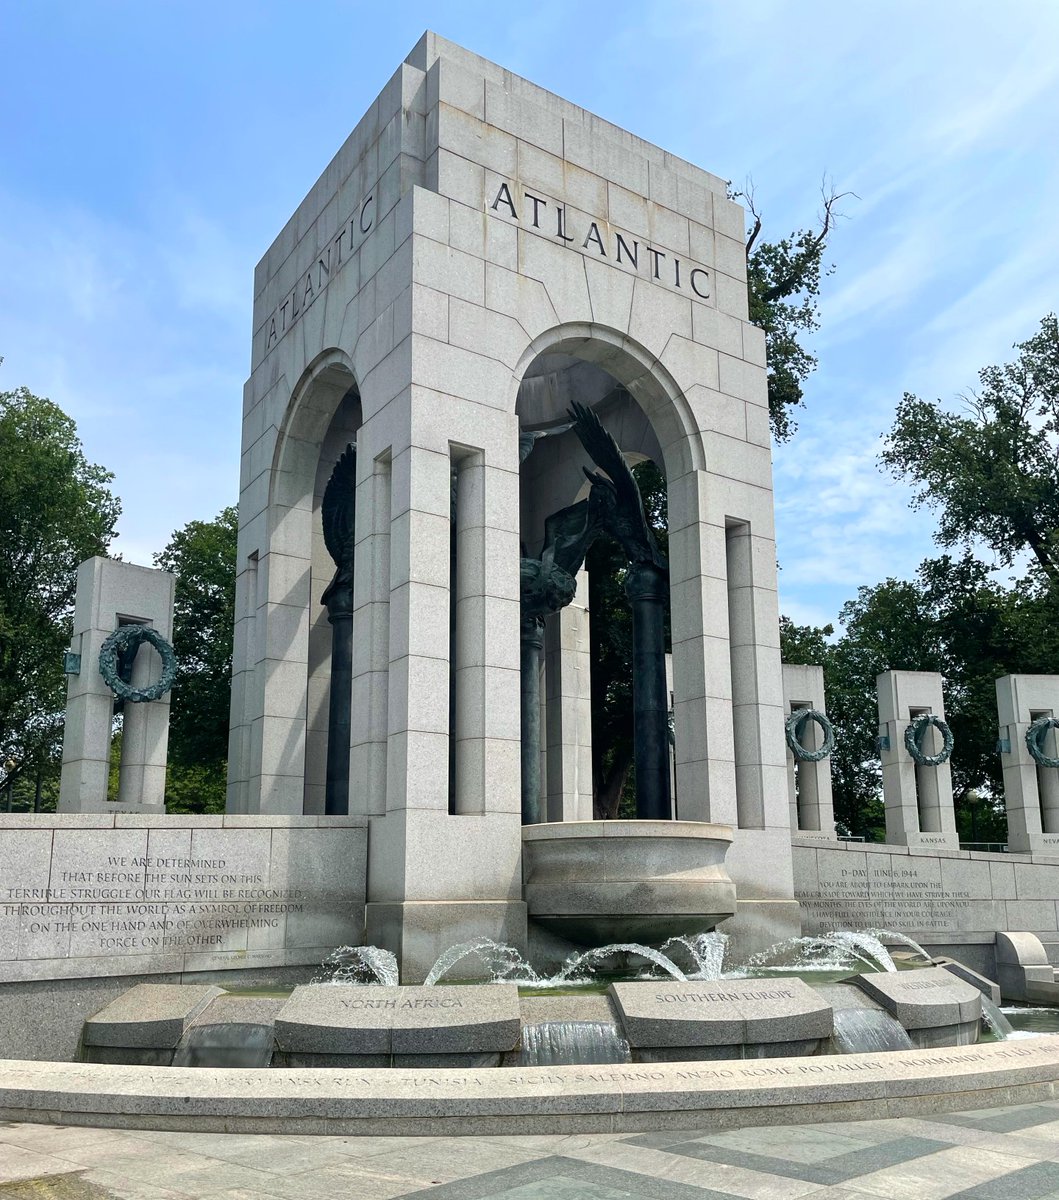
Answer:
(146, 904)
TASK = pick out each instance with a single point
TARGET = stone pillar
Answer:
(1031, 792)
(446, 869)
(919, 809)
(531, 642)
(808, 783)
(646, 587)
(568, 710)
(109, 594)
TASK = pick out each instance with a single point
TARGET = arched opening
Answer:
(323, 418)
(585, 688)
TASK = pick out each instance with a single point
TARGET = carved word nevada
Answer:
(550, 219)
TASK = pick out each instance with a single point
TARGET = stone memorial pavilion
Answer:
(479, 255)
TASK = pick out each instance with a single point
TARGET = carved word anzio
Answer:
(599, 238)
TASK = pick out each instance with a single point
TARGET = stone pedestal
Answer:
(1031, 791)
(109, 594)
(808, 783)
(919, 810)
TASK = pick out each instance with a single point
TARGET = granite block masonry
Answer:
(922, 999)
(150, 1014)
(98, 894)
(110, 594)
(918, 798)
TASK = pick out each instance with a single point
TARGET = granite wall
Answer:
(951, 901)
(99, 895)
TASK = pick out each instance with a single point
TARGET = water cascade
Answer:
(504, 964)
(889, 935)
(997, 1024)
(864, 945)
(836, 951)
(231, 1044)
(579, 967)
(562, 1043)
(707, 951)
(862, 1030)
(501, 963)
(359, 965)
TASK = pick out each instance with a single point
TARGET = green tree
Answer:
(55, 511)
(991, 472)
(783, 285)
(953, 618)
(202, 556)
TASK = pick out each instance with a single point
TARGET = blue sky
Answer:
(149, 153)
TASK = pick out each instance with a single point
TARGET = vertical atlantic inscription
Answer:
(327, 262)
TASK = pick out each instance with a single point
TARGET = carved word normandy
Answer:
(549, 218)
(328, 262)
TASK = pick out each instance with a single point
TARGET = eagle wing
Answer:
(339, 506)
(605, 453)
(568, 534)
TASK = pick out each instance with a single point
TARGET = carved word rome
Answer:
(550, 218)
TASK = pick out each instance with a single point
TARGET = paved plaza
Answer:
(996, 1154)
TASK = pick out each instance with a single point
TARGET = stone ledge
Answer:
(372, 1020)
(532, 1099)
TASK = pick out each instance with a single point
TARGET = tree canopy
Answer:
(202, 557)
(955, 618)
(783, 284)
(55, 511)
(991, 472)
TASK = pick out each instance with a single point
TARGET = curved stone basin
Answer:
(594, 882)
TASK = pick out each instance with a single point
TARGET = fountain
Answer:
(858, 1030)
(566, 1043)
(359, 964)
(381, 744)
(591, 1008)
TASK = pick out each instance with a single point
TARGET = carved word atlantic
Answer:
(329, 261)
(550, 219)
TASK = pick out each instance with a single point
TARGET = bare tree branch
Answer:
(786, 284)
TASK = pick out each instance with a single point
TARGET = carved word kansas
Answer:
(554, 220)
